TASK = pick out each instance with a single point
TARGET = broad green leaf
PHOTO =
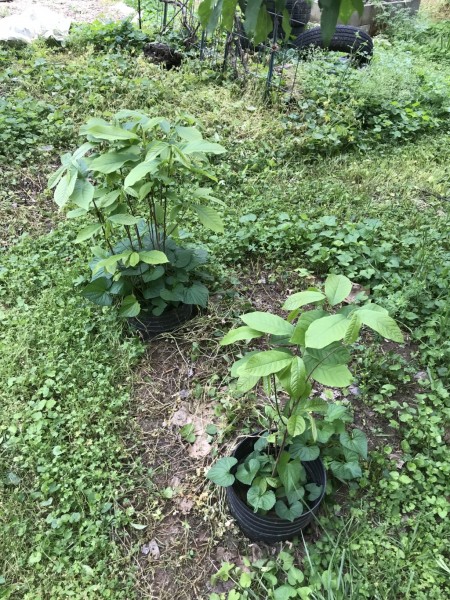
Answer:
(336, 411)
(346, 10)
(284, 592)
(55, 177)
(264, 25)
(204, 147)
(314, 405)
(324, 431)
(324, 331)
(296, 425)
(246, 472)
(354, 327)
(109, 132)
(289, 514)
(153, 257)
(290, 471)
(268, 323)
(133, 259)
(209, 217)
(124, 219)
(305, 453)
(229, 8)
(112, 161)
(293, 378)
(345, 471)
(329, 375)
(82, 194)
(220, 472)
(196, 294)
(245, 384)
(305, 320)
(87, 232)
(334, 354)
(357, 442)
(374, 307)
(65, 187)
(328, 19)
(260, 500)
(301, 299)
(98, 292)
(240, 333)
(107, 199)
(190, 134)
(130, 307)
(314, 491)
(382, 324)
(265, 363)
(139, 172)
(337, 288)
(236, 366)
(251, 16)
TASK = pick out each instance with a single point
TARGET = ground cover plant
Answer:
(105, 442)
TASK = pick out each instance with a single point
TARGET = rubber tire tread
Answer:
(350, 40)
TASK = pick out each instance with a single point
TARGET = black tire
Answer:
(149, 326)
(299, 11)
(351, 40)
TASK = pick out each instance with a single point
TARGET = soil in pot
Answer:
(270, 528)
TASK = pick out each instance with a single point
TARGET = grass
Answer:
(85, 407)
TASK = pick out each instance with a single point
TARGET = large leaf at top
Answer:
(381, 323)
(264, 25)
(265, 363)
(109, 132)
(112, 161)
(251, 15)
(153, 257)
(240, 333)
(220, 472)
(325, 331)
(328, 18)
(209, 217)
(337, 288)
(268, 323)
(301, 299)
(356, 441)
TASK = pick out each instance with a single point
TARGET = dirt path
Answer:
(78, 10)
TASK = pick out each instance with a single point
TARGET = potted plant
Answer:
(135, 181)
(275, 480)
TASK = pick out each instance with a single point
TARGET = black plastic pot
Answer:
(150, 326)
(272, 529)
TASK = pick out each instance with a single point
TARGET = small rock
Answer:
(151, 549)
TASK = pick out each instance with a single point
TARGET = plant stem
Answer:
(102, 223)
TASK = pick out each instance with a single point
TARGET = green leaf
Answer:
(381, 323)
(87, 232)
(346, 10)
(314, 491)
(268, 323)
(246, 472)
(357, 442)
(265, 363)
(337, 288)
(112, 161)
(264, 25)
(305, 453)
(204, 147)
(65, 187)
(324, 331)
(293, 378)
(354, 327)
(289, 471)
(82, 194)
(251, 15)
(98, 292)
(153, 257)
(187, 433)
(260, 500)
(220, 472)
(328, 19)
(291, 513)
(245, 384)
(130, 307)
(124, 219)
(336, 411)
(284, 592)
(240, 333)
(140, 171)
(209, 217)
(296, 425)
(196, 294)
(301, 299)
(190, 134)
(330, 375)
(345, 471)
(229, 8)
(298, 336)
(109, 132)
(107, 199)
